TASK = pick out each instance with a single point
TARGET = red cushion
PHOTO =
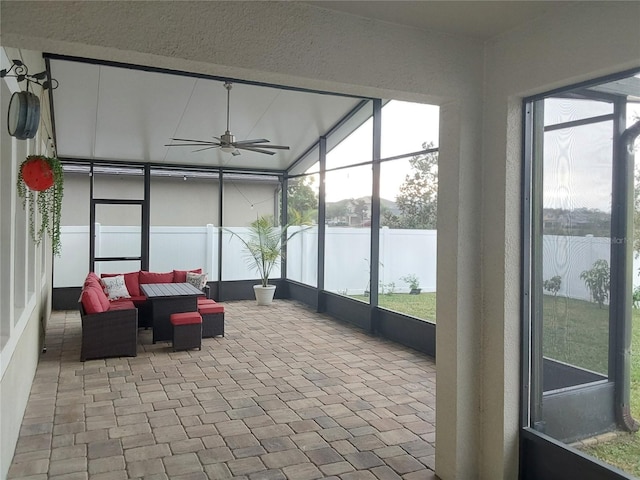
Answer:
(150, 277)
(130, 280)
(92, 279)
(205, 300)
(104, 299)
(210, 308)
(92, 276)
(93, 283)
(139, 299)
(122, 304)
(93, 300)
(180, 276)
(185, 318)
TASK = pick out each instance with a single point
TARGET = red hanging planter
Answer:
(40, 185)
(37, 173)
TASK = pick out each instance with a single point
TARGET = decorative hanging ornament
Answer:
(23, 117)
(37, 173)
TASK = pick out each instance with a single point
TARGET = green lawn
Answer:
(421, 306)
(576, 332)
(623, 452)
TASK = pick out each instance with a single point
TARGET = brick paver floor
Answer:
(286, 394)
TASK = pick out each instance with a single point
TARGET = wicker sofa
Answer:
(110, 327)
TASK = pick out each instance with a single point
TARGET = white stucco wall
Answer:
(459, 289)
(24, 274)
(479, 217)
(15, 386)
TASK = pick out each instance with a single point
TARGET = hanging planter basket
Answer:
(37, 173)
(41, 185)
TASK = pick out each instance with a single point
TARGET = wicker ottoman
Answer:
(212, 319)
(187, 330)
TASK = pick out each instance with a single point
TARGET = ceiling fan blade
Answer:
(205, 148)
(278, 147)
(213, 144)
(255, 140)
(252, 149)
(191, 140)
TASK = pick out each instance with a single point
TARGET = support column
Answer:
(458, 332)
(501, 267)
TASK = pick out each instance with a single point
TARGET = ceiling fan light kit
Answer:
(227, 142)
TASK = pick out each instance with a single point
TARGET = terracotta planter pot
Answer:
(37, 174)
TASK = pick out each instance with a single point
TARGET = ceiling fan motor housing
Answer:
(227, 138)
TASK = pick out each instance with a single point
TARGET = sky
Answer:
(405, 127)
(573, 155)
(577, 168)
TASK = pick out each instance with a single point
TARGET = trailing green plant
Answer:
(264, 245)
(597, 281)
(48, 203)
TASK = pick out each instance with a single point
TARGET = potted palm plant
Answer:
(263, 250)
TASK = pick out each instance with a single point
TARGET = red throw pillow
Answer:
(180, 276)
(131, 280)
(150, 277)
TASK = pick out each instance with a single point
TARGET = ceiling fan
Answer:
(227, 142)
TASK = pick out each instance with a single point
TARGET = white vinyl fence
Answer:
(347, 258)
(568, 257)
(402, 252)
(170, 248)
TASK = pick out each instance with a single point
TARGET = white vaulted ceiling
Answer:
(124, 114)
